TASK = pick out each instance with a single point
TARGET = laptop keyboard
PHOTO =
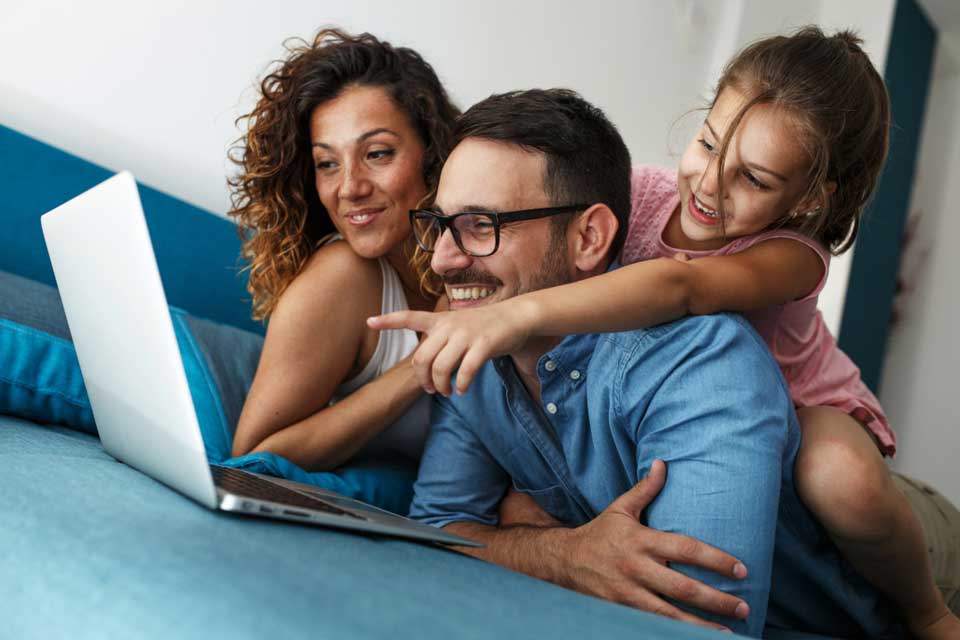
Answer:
(248, 485)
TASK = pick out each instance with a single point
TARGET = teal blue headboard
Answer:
(198, 252)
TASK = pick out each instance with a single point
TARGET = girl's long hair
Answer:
(838, 106)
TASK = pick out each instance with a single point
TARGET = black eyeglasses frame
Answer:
(498, 218)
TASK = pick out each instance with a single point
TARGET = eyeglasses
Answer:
(477, 233)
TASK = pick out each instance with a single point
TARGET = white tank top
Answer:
(407, 435)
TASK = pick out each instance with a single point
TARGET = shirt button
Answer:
(551, 408)
(574, 375)
(550, 365)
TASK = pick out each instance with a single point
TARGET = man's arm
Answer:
(458, 480)
(720, 417)
(460, 486)
(615, 557)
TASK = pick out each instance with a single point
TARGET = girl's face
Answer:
(765, 174)
(368, 163)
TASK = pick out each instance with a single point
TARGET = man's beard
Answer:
(553, 268)
(552, 271)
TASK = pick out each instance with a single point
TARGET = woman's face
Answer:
(368, 163)
(765, 173)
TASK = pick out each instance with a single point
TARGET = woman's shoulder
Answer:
(336, 272)
(337, 259)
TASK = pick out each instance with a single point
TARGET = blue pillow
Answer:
(40, 376)
(387, 484)
(198, 252)
(40, 380)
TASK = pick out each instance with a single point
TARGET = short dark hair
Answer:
(586, 158)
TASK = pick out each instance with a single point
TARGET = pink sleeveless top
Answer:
(817, 371)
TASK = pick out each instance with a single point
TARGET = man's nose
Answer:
(355, 183)
(447, 256)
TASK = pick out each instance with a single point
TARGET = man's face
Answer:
(482, 175)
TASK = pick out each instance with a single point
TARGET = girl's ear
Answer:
(592, 236)
(812, 206)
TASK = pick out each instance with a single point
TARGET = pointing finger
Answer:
(419, 321)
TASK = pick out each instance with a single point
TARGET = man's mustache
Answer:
(471, 275)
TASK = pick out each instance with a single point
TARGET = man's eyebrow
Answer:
(467, 208)
(368, 134)
(751, 165)
(479, 208)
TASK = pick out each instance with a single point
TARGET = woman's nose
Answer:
(355, 183)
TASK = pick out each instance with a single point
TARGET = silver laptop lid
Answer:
(117, 312)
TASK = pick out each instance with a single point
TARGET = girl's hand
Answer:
(460, 341)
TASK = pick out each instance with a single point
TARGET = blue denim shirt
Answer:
(704, 395)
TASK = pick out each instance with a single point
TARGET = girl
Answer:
(775, 180)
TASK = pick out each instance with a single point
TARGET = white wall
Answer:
(919, 385)
(155, 86)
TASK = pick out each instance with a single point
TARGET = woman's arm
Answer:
(316, 339)
(638, 295)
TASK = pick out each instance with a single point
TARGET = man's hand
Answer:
(615, 557)
(460, 341)
(619, 559)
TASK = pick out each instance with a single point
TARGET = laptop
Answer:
(117, 312)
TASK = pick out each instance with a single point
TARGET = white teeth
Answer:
(704, 210)
(469, 293)
(360, 218)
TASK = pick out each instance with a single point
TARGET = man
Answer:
(536, 193)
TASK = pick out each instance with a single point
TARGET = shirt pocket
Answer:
(553, 500)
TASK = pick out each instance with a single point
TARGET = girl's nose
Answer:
(709, 184)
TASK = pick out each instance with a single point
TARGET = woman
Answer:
(346, 138)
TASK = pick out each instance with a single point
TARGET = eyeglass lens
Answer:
(475, 233)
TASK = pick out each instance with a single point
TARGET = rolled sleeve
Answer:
(459, 481)
(720, 419)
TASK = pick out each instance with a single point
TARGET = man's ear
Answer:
(592, 235)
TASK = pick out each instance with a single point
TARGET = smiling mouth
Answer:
(469, 293)
(710, 213)
(363, 216)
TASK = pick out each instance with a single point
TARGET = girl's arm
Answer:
(638, 295)
(651, 292)
(316, 339)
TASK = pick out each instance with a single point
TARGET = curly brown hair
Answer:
(274, 197)
(839, 106)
